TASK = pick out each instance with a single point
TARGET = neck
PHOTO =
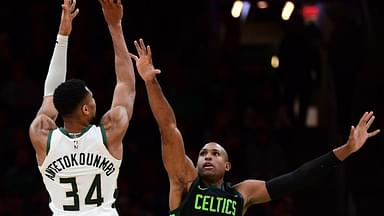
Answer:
(74, 125)
(213, 184)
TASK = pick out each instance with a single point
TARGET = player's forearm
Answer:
(123, 62)
(160, 107)
(125, 93)
(57, 67)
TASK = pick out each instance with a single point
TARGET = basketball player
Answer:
(80, 162)
(201, 190)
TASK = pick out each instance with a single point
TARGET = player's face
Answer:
(213, 161)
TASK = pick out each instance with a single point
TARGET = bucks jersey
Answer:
(204, 201)
(79, 173)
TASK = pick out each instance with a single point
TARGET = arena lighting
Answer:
(275, 61)
(237, 8)
(287, 10)
(245, 10)
(262, 4)
(310, 13)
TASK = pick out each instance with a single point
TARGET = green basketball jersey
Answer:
(203, 201)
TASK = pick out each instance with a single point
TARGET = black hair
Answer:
(68, 95)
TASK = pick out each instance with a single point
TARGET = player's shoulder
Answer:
(39, 132)
(249, 184)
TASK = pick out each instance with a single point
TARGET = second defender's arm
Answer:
(179, 167)
(310, 172)
(177, 164)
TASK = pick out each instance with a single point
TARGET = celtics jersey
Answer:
(203, 201)
(80, 174)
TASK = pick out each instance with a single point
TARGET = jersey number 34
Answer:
(96, 185)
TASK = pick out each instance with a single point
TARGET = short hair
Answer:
(225, 154)
(68, 95)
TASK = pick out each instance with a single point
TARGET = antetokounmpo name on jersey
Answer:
(79, 159)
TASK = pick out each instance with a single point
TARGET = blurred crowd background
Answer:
(218, 76)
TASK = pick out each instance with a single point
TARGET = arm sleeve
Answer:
(306, 175)
(58, 66)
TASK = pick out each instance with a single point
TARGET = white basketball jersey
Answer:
(80, 174)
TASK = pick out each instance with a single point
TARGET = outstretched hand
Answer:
(113, 11)
(359, 134)
(144, 63)
(69, 12)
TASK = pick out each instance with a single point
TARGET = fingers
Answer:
(369, 123)
(367, 116)
(69, 5)
(141, 49)
(362, 118)
(73, 5)
(69, 8)
(133, 56)
(104, 3)
(149, 51)
(113, 3)
(366, 120)
(138, 48)
(118, 2)
(374, 133)
(110, 3)
(142, 45)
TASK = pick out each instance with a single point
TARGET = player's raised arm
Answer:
(116, 120)
(311, 172)
(47, 114)
(124, 94)
(179, 167)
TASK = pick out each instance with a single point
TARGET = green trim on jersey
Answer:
(49, 141)
(104, 135)
(66, 133)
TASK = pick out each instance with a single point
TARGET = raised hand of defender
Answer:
(144, 63)
(68, 13)
(359, 134)
(113, 11)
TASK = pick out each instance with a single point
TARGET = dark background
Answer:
(216, 73)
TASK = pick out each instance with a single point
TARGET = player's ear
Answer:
(85, 109)
(228, 166)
